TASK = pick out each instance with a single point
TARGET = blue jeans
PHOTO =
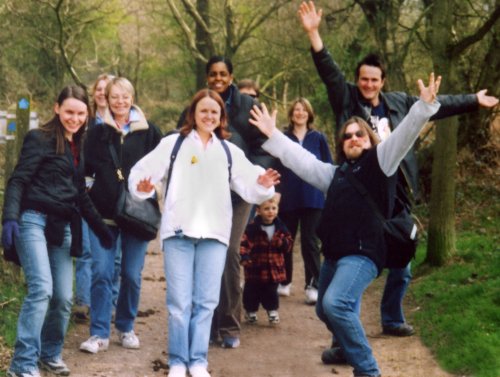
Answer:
(391, 307)
(44, 316)
(193, 268)
(103, 272)
(341, 286)
(83, 270)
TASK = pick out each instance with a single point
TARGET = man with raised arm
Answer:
(384, 112)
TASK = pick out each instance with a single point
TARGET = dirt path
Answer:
(291, 349)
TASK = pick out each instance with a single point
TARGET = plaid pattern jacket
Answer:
(263, 259)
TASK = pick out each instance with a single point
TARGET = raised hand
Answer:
(264, 121)
(145, 185)
(270, 178)
(309, 17)
(429, 93)
(485, 100)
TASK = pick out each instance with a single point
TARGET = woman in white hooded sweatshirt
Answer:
(196, 221)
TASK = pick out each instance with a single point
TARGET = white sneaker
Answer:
(284, 290)
(251, 317)
(33, 373)
(178, 370)
(94, 344)
(128, 340)
(273, 316)
(199, 371)
(311, 295)
(57, 367)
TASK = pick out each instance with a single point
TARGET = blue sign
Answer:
(23, 104)
(11, 127)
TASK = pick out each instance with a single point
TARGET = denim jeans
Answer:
(103, 272)
(341, 286)
(391, 307)
(83, 270)
(193, 269)
(44, 316)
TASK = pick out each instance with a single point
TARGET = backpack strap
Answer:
(229, 157)
(173, 156)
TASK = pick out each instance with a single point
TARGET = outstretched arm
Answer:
(391, 151)
(485, 100)
(311, 19)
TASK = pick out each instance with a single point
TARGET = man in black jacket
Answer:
(384, 112)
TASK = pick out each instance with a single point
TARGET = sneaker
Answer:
(33, 373)
(198, 371)
(311, 295)
(229, 342)
(273, 316)
(284, 290)
(57, 367)
(178, 370)
(402, 330)
(251, 317)
(129, 340)
(94, 344)
(333, 356)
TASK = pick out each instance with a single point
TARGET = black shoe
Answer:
(403, 330)
(333, 356)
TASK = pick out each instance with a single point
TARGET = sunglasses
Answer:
(349, 135)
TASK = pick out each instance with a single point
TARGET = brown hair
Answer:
(363, 125)
(189, 123)
(307, 107)
(250, 84)
(54, 126)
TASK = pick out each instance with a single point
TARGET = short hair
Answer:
(250, 84)
(122, 83)
(219, 59)
(189, 122)
(372, 60)
(307, 106)
(339, 145)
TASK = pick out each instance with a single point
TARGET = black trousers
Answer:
(308, 218)
(255, 293)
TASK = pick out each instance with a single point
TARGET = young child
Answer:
(262, 250)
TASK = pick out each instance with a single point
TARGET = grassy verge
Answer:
(459, 316)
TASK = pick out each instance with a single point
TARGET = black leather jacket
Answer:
(346, 101)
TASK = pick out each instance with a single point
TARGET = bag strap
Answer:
(115, 159)
(362, 190)
(229, 157)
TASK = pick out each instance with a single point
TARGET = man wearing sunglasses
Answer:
(384, 112)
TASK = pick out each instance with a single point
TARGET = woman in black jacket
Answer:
(43, 201)
(125, 131)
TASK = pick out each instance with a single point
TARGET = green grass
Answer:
(459, 316)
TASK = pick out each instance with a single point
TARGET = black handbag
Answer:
(400, 231)
(141, 218)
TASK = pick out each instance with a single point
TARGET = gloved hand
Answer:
(10, 230)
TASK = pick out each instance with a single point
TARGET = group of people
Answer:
(60, 203)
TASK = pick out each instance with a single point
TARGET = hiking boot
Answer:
(251, 317)
(57, 367)
(333, 356)
(80, 313)
(33, 373)
(273, 317)
(94, 344)
(284, 290)
(178, 370)
(229, 342)
(311, 295)
(128, 340)
(402, 330)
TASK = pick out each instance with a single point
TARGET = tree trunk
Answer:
(202, 37)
